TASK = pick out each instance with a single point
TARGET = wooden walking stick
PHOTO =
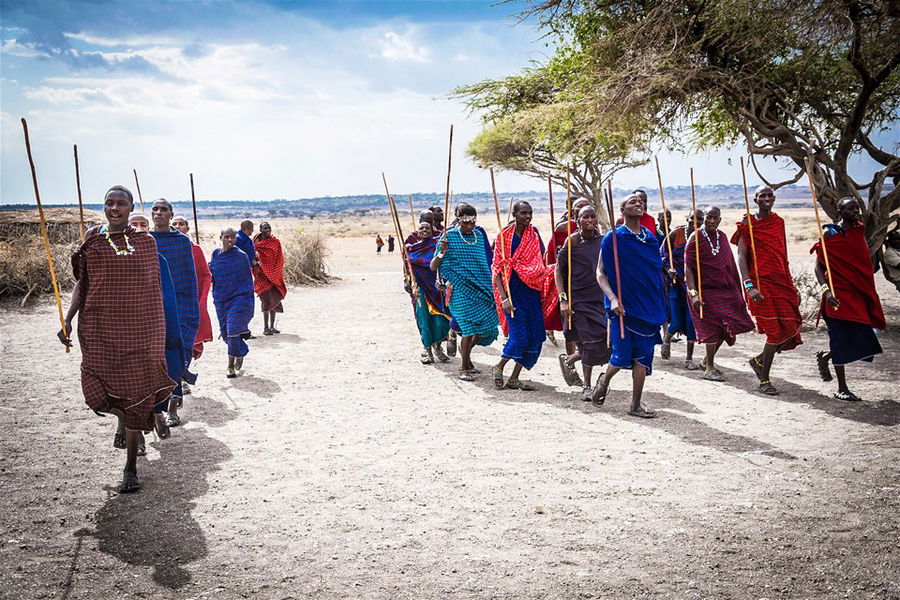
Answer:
(447, 191)
(812, 189)
(662, 199)
(696, 242)
(615, 245)
(138, 185)
(400, 239)
(568, 245)
(80, 203)
(412, 213)
(512, 310)
(750, 225)
(194, 206)
(550, 191)
(37, 197)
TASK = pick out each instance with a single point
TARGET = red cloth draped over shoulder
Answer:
(852, 275)
(778, 315)
(529, 266)
(204, 280)
(270, 272)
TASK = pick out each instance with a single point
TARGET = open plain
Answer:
(338, 466)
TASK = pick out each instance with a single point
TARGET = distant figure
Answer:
(268, 276)
(892, 258)
(232, 290)
(391, 244)
(378, 243)
(244, 241)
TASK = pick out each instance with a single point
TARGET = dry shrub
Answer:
(305, 255)
(810, 298)
(23, 267)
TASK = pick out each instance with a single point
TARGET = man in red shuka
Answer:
(771, 296)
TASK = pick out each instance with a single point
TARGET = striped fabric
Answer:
(465, 266)
(176, 249)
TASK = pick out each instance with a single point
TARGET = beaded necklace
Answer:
(714, 249)
(641, 236)
(129, 249)
(463, 237)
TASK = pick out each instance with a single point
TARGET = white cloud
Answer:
(395, 46)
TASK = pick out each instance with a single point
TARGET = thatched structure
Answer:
(62, 224)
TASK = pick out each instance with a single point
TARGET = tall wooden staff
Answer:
(662, 199)
(138, 185)
(550, 190)
(37, 197)
(750, 225)
(400, 239)
(615, 244)
(696, 243)
(568, 245)
(512, 310)
(447, 191)
(80, 203)
(412, 213)
(812, 189)
(194, 206)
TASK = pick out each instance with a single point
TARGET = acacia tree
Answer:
(792, 79)
(530, 128)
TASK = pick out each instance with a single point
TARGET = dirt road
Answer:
(340, 467)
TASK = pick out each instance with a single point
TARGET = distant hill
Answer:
(677, 198)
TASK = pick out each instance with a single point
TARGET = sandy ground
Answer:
(340, 467)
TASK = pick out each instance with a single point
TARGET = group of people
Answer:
(128, 267)
(615, 297)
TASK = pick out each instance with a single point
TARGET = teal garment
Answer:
(472, 304)
(432, 328)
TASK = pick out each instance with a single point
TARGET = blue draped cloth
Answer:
(245, 243)
(526, 327)
(420, 255)
(642, 296)
(232, 292)
(174, 345)
(466, 267)
(175, 247)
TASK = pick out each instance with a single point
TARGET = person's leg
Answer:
(129, 480)
(465, 351)
(638, 376)
(119, 438)
(230, 372)
(272, 322)
(602, 387)
(841, 374)
(690, 351)
(516, 371)
(711, 357)
(587, 370)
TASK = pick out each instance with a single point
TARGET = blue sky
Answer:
(258, 99)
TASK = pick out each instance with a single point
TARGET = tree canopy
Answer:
(790, 79)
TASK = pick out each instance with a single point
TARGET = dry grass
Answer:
(23, 267)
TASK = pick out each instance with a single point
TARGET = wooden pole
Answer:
(750, 225)
(447, 203)
(37, 197)
(512, 310)
(696, 243)
(194, 206)
(662, 199)
(568, 245)
(400, 239)
(550, 191)
(138, 185)
(80, 202)
(412, 214)
(509, 217)
(615, 245)
(812, 189)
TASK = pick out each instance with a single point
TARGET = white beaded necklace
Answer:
(714, 249)
(129, 249)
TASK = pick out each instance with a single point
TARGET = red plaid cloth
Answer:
(528, 264)
(121, 327)
(270, 271)
(778, 315)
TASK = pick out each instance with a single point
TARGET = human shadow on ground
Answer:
(262, 387)
(154, 527)
(209, 411)
(881, 413)
(690, 430)
(279, 339)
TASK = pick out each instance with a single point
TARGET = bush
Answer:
(23, 267)
(304, 258)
